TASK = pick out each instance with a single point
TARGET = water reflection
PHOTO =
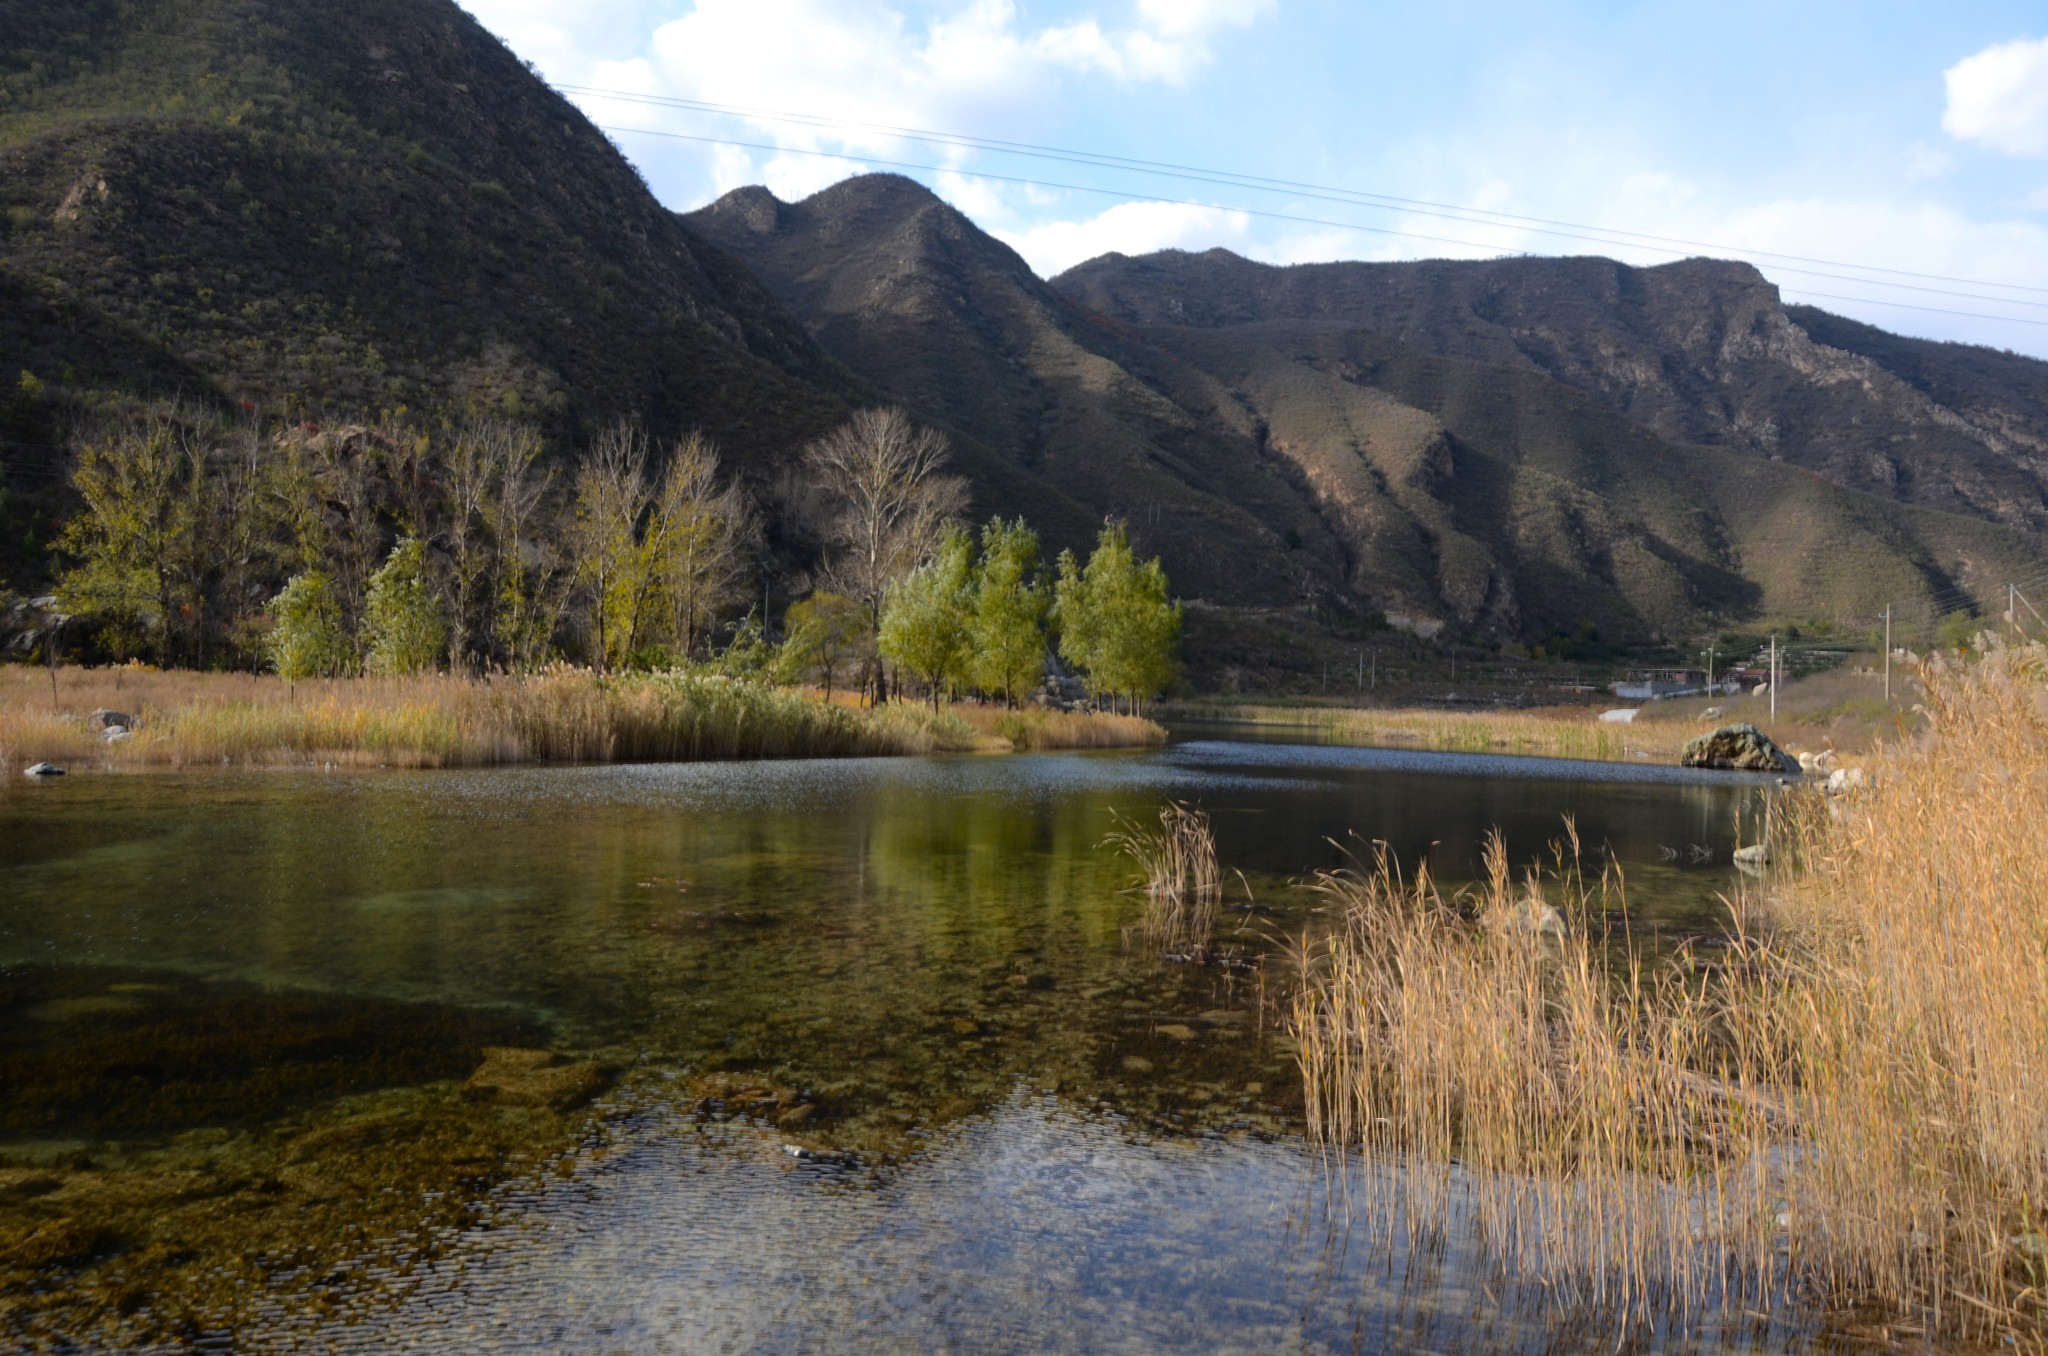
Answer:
(925, 955)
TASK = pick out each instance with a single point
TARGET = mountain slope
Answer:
(1312, 458)
(1698, 351)
(354, 207)
(920, 301)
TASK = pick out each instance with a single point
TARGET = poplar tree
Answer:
(926, 615)
(826, 631)
(404, 631)
(698, 539)
(133, 544)
(1006, 631)
(1117, 621)
(887, 504)
(306, 638)
(604, 536)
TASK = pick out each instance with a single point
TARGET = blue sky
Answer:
(1878, 135)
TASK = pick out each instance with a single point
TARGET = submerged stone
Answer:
(526, 1077)
(1738, 748)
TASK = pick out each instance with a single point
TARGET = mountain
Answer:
(311, 207)
(1054, 418)
(1699, 351)
(1291, 436)
(336, 210)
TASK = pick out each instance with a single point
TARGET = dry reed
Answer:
(441, 721)
(1178, 875)
(1850, 1108)
(1033, 728)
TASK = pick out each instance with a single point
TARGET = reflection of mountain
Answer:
(1516, 447)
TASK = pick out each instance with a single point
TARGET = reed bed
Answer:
(1555, 733)
(562, 714)
(1845, 1106)
(1177, 874)
(1033, 728)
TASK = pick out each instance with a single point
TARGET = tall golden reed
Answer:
(1846, 1104)
(1177, 872)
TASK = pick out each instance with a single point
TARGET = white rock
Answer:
(1623, 716)
(1756, 854)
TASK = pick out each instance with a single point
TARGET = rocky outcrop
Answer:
(1739, 748)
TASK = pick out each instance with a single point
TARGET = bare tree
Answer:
(889, 504)
(699, 537)
(525, 567)
(491, 495)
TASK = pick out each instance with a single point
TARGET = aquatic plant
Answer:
(1178, 876)
(1848, 1104)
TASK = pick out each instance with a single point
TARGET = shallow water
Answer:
(238, 1008)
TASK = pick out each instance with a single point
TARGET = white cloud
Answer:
(1927, 162)
(1999, 98)
(1128, 228)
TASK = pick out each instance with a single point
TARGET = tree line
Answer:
(393, 548)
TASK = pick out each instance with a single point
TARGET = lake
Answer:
(838, 1055)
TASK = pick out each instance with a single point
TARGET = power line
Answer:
(1261, 183)
(1246, 211)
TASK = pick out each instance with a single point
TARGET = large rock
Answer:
(102, 720)
(1742, 748)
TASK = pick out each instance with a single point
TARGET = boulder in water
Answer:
(43, 770)
(1740, 748)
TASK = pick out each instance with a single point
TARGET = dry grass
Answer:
(1562, 732)
(1178, 875)
(1850, 1108)
(562, 714)
(1034, 728)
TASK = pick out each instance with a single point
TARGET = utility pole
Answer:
(2012, 606)
(1887, 654)
(1375, 669)
(1774, 675)
(1710, 670)
(1361, 668)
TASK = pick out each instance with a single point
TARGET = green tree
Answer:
(611, 564)
(1007, 630)
(1117, 620)
(825, 633)
(133, 542)
(404, 629)
(1958, 630)
(306, 639)
(925, 616)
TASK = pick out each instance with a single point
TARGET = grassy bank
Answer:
(1558, 732)
(1843, 710)
(1846, 1102)
(439, 721)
